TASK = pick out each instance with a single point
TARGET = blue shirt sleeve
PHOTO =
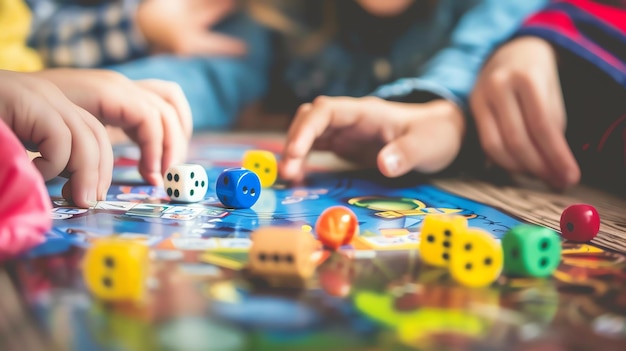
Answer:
(452, 72)
(68, 34)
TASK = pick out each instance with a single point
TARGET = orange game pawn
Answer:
(336, 226)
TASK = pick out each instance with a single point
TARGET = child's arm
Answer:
(452, 73)
(74, 35)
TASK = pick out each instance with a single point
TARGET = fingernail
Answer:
(392, 163)
(92, 203)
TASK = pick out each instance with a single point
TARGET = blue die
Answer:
(238, 188)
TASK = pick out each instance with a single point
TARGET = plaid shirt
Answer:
(86, 33)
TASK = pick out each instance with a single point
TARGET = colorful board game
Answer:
(390, 212)
(374, 294)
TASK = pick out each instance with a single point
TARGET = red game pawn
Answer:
(580, 223)
(336, 226)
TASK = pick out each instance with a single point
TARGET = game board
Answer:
(390, 212)
(372, 295)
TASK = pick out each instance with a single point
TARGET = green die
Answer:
(531, 251)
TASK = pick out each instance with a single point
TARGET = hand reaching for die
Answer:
(397, 137)
(153, 113)
(520, 114)
(60, 113)
(69, 139)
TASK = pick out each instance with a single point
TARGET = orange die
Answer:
(281, 252)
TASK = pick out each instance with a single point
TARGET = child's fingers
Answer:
(83, 166)
(295, 150)
(105, 164)
(174, 95)
(488, 131)
(148, 133)
(52, 137)
(514, 132)
(174, 140)
(543, 116)
(428, 145)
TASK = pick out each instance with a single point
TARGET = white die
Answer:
(186, 182)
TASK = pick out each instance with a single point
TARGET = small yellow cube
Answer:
(264, 164)
(116, 269)
(476, 258)
(438, 234)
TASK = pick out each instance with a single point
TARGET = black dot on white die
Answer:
(169, 176)
(545, 244)
(570, 226)
(109, 262)
(543, 262)
(176, 193)
(445, 256)
(245, 189)
(252, 192)
(446, 244)
(202, 184)
(447, 232)
(488, 261)
(197, 183)
(430, 238)
(468, 247)
(191, 192)
(169, 191)
(176, 177)
(107, 282)
(468, 266)
(192, 174)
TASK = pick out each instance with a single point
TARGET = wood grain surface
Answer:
(535, 204)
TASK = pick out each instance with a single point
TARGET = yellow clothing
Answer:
(15, 55)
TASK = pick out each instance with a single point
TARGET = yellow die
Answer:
(263, 163)
(476, 258)
(116, 269)
(437, 236)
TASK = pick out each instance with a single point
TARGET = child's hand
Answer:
(397, 137)
(183, 27)
(519, 112)
(153, 113)
(69, 139)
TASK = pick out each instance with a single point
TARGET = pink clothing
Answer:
(24, 201)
